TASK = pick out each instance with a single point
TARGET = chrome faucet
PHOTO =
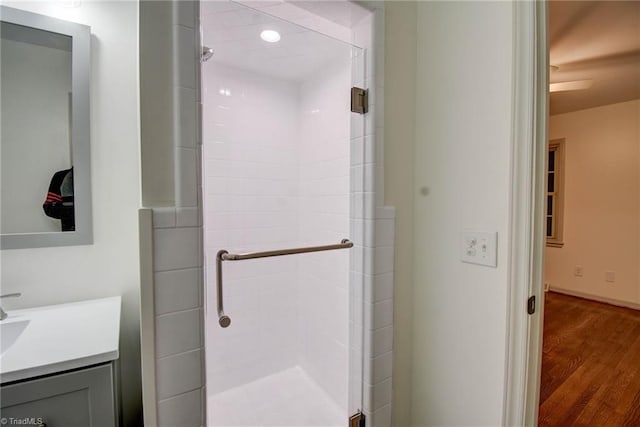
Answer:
(3, 314)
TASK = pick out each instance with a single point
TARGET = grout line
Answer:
(193, 350)
(390, 325)
(185, 26)
(182, 227)
(381, 408)
(177, 312)
(179, 269)
(379, 382)
(179, 394)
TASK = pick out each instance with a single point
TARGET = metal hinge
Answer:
(531, 305)
(359, 100)
(357, 420)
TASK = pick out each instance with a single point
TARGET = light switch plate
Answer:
(478, 247)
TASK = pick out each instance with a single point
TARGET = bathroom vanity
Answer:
(58, 365)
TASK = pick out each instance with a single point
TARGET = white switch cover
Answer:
(479, 248)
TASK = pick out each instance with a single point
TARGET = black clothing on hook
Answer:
(59, 201)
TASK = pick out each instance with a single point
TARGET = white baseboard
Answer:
(619, 303)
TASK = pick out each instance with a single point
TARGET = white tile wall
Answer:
(324, 218)
(184, 50)
(381, 417)
(377, 395)
(178, 374)
(164, 217)
(175, 332)
(375, 224)
(186, 180)
(188, 217)
(186, 13)
(178, 290)
(177, 247)
(183, 410)
(185, 127)
(379, 341)
(251, 192)
(282, 182)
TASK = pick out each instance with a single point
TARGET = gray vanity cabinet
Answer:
(82, 398)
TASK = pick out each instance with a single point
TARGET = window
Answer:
(555, 193)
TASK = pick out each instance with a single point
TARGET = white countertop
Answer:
(62, 337)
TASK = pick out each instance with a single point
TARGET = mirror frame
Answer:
(80, 132)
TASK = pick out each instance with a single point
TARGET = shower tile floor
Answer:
(286, 398)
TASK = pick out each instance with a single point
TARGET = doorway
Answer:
(591, 332)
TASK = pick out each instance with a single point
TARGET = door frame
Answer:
(527, 236)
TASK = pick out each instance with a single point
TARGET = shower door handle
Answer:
(224, 255)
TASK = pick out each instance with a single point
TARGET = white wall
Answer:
(462, 160)
(36, 82)
(110, 265)
(601, 203)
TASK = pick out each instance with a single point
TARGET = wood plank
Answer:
(590, 364)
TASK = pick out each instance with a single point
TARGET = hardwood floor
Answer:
(590, 364)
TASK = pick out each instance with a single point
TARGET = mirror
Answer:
(44, 131)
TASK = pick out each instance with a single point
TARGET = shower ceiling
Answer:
(233, 31)
(345, 13)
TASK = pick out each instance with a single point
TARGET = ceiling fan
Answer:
(570, 85)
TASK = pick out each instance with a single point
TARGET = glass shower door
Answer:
(279, 201)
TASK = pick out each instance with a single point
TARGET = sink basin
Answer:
(55, 338)
(10, 332)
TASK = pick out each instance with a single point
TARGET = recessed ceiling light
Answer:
(270, 36)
